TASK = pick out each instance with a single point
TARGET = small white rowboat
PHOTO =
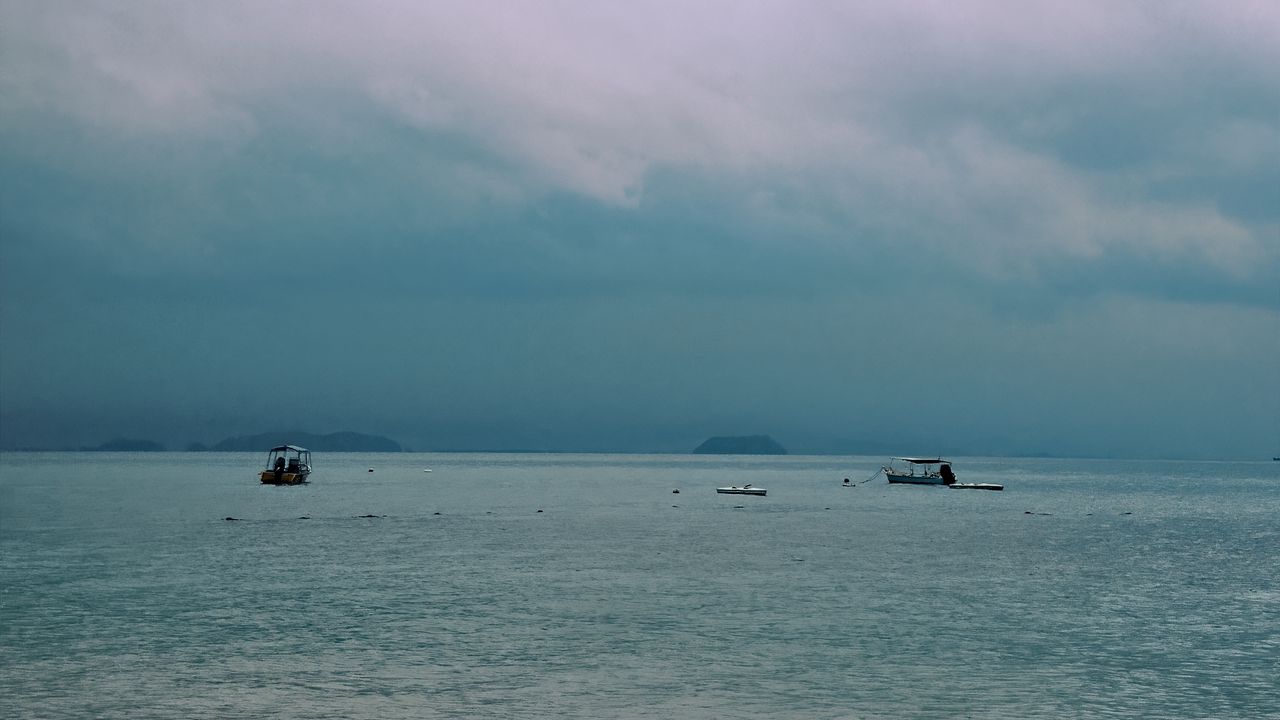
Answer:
(744, 490)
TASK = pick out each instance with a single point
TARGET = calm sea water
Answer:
(581, 586)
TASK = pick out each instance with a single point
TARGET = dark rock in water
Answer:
(371, 516)
(231, 519)
(740, 445)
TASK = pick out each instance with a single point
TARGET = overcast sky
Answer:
(983, 227)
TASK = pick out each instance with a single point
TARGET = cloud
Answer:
(1022, 164)
(978, 135)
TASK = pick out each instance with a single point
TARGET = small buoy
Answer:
(231, 519)
(539, 511)
(675, 492)
(370, 469)
(427, 470)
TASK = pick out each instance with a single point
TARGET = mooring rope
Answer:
(873, 477)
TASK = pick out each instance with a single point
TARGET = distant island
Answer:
(740, 445)
(333, 442)
(127, 445)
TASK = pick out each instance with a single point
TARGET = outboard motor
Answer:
(948, 477)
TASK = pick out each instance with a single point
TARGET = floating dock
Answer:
(975, 486)
(744, 490)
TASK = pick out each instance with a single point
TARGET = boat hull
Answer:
(285, 478)
(901, 479)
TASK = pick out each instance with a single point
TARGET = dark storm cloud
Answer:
(632, 225)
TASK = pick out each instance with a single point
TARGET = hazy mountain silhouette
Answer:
(740, 445)
(333, 442)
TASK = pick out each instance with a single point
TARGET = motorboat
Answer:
(919, 471)
(744, 490)
(287, 465)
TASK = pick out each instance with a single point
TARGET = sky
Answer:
(990, 227)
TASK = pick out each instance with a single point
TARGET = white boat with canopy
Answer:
(919, 471)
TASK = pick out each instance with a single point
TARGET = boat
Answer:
(919, 471)
(744, 490)
(287, 465)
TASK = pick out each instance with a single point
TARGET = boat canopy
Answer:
(921, 461)
(286, 448)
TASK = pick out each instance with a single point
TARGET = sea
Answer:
(175, 585)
